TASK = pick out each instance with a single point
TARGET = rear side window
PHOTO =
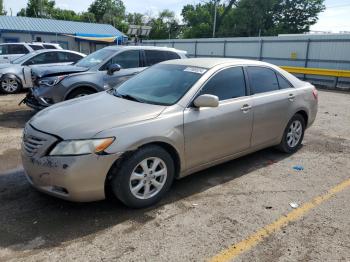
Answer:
(49, 46)
(262, 79)
(36, 47)
(74, 57)
(156, 56)
(282, 82)
(172, 55)
(17, 49)
(126, 59)
(226, 84)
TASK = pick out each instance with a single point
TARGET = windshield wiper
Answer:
(128, 97)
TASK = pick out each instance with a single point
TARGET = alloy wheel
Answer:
(9, 85)
(148, 178)
(294, 134)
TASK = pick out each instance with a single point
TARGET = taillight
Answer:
(315, 93)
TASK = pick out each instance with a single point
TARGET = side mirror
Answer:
(206, 101)
(113, 68)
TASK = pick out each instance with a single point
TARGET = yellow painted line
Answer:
(317, 71)
(246, 244)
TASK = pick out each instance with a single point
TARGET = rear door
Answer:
(272, 102)
(215, 133)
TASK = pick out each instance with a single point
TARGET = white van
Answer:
(11, 51)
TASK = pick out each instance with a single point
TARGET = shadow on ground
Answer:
(27, 214)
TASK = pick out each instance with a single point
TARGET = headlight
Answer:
(81, 147)
(51, 81)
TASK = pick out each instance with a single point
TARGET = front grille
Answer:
(32, 144)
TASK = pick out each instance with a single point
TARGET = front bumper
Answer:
(74, 178)
(33, 102)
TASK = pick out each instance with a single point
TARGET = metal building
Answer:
(78, 36)
(326, 51)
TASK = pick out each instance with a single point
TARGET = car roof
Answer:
(55, 50)
(137, 47)
(213, 61)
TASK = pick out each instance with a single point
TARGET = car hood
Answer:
(40, 71)
(84, 117)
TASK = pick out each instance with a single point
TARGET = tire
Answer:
(79, 93)
(130, 174)
(10, 85)
(293, 134)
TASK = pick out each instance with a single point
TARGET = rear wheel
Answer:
(143, 178)
(293, 134)
(10, 85)
(80, 92)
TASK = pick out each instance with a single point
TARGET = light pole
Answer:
(215, 11)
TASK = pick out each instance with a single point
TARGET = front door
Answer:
(215, 133)
(130, 63)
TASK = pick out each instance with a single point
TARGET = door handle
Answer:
(291, 97)
(245, 108)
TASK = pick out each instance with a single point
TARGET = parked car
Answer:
(96, 72)
(17, 74)
(11, 51)
(169, 121)
(49, 45)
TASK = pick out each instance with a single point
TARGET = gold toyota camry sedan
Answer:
(171, 120)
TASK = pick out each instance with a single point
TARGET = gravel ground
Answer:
(202, 215)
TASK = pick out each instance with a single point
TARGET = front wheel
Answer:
(293, 134)
(79, 93)
(10, 85)
(144, 177)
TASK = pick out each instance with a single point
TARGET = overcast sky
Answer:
(336, 18)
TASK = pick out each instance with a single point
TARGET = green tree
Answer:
(164, 26)
(296, 16)
(134, 18)
(198, 20)
(38, 8)
(251, 17)
(2, 10)
(108, 11)
(87, 17)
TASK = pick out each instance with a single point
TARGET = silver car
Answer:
(169, 121)
(17, 74)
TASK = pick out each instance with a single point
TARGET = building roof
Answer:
(42, 25)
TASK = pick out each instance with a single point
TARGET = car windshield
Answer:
(95, 58)
(24, 58)
(161, 84)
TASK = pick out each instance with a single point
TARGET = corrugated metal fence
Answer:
(315, 51)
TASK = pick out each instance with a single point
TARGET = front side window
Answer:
(226, 84)
(262, 79)
(126, 59)
(44, 58)
(160, 84)
(95, 58)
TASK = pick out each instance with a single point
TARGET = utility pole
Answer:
(215, 12)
